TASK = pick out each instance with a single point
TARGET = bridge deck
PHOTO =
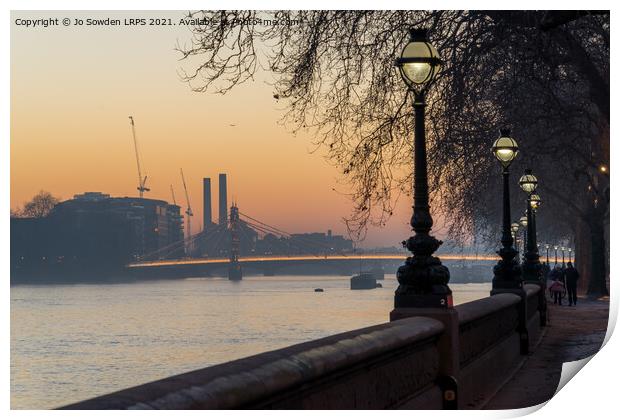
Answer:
(292, 258)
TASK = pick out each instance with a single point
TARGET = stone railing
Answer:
(494, 334)
(419, 362)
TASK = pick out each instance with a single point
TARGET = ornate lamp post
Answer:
(531, 265)
(423, 279)
(532, 269)
(515, 229)
(555, 247)
(547, 249)
(535, 203)
(570, 254)
(563, 249)
(507, 273)
(523, 221)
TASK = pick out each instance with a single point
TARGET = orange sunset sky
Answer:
(72, 89)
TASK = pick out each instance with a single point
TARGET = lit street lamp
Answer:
(563, 249)
(523, 221)
(515, 229)
(532, 268)
(535, 203)
(555, 247)
(507, 273)
(423, 279)
(570, 254)
(531, 265)
(547, 249)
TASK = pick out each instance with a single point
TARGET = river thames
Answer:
(72, 342)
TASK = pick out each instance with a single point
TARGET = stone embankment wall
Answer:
(399, 364)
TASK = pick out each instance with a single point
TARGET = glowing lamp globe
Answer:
(419, 62)
(528, 182)
(505, 148)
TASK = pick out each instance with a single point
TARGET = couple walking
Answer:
(564, 279)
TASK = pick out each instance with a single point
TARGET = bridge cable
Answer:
(299, 244)
(290, 236)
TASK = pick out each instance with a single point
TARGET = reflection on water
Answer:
(71, 342)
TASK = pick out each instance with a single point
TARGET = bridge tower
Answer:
(234, 267)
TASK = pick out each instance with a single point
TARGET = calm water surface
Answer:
(71, 342)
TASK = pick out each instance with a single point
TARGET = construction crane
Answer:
(174, 201)
(141, 181)
(188, 212)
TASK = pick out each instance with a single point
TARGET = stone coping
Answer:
(471, 311)
(531, 289)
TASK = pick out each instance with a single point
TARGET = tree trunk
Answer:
(591, 256)
(597, 281)
(583, 255)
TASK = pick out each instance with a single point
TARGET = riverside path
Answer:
(575, 332)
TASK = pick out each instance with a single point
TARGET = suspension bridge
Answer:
(222, 241)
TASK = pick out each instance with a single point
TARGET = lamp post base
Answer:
(440, 297)
(423, 279)
(507, 272)
(532, 269)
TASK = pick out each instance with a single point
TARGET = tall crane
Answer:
(188, 212)
(174, 201)
(141, 181)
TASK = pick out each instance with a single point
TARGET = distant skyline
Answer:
(73, 88)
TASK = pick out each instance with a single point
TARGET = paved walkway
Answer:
(572, 333)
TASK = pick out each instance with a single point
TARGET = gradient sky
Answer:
(72, 89)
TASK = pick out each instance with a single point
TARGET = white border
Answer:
(591, 394)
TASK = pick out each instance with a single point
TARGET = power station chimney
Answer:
(223, 203)
(206, 203)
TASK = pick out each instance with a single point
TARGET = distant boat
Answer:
(318, 289)
(363, 281)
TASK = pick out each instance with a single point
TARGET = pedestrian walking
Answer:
(571, 275)
(557, 287)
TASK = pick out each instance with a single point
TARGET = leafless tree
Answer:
(40, 205)
(545, 74)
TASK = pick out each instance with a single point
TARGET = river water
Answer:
(71, 342)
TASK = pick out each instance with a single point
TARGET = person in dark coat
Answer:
(571, 275)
